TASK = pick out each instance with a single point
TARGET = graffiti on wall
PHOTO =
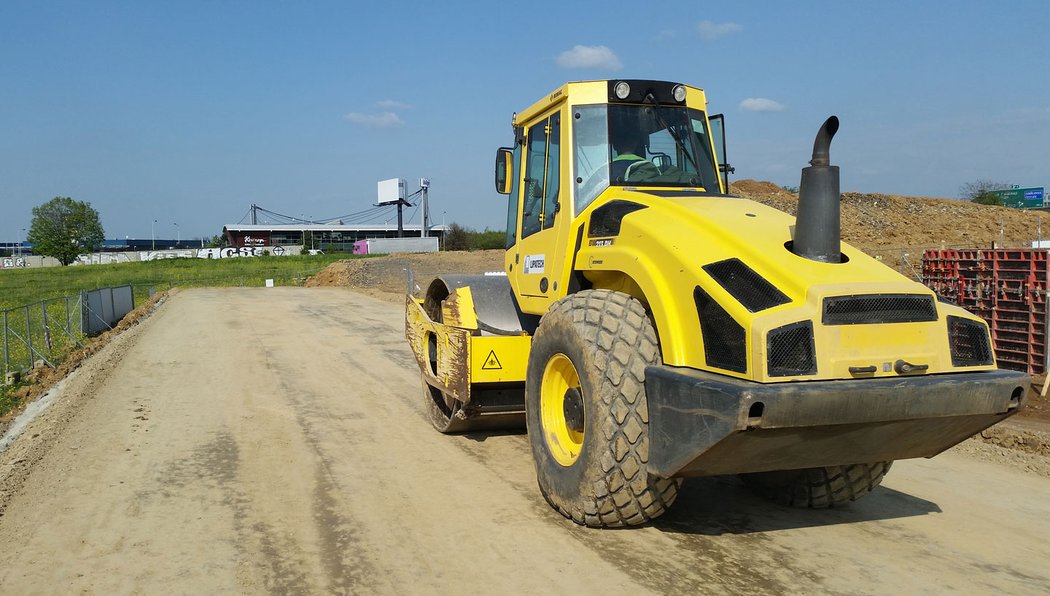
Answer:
(151, 255)
(104, 258)
(12, 262)
(157, 255)
(244, 251)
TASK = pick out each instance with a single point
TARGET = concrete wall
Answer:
(105, 258)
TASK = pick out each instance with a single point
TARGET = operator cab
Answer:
(641, 134)
(575, 147)
(635, 145)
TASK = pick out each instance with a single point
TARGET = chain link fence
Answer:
(43, 331)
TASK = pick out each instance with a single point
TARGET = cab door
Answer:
(545, 210)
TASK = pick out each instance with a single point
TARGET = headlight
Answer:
(622, 90)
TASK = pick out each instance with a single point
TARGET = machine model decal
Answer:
(534, 263)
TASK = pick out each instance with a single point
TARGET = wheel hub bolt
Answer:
(572, 405)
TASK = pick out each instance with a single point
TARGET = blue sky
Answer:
(187, 112)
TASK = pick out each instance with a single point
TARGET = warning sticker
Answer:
(491, 362)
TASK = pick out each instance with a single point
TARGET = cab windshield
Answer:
(640, 145)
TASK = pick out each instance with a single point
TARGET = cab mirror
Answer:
(504, 170)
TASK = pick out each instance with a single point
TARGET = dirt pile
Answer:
(386, 276)
(878, 223)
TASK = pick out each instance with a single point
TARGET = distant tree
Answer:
(791, 189)
(980, 192)
(216, 241)
(63, 228)
(457, 238)
(487, 239)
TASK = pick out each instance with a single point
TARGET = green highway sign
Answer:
(1023, 198)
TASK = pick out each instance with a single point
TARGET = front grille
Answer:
(724, 339)
(879, 308)
(791, 350)
(968, 342)
(749, 288)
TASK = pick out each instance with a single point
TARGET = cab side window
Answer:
(550, 203)
(540, 192)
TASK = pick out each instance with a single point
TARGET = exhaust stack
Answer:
(817, 226)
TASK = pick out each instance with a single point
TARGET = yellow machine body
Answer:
(737, 310)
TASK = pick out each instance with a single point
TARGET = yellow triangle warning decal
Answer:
(491, 362)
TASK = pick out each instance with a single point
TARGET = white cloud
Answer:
(712, 31)
(390, 104)
(589, 57)
(666, 34)
(378, 120)
(761, 104)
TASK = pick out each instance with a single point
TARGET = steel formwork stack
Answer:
(1007, 287)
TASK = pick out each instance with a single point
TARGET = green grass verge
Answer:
(19, 287)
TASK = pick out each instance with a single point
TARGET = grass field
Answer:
(51, 323)
(19, 287)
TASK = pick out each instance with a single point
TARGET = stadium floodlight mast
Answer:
(153, 235)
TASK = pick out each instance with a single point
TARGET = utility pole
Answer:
(392, 192)
(424, 187)
(400, 217)
(153, 234)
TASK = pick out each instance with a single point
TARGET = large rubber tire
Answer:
(818, 488)
(589, 355)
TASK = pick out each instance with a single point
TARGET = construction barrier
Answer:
(1007, 287)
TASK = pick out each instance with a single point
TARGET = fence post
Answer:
(47, 328)
(7, 352)
(29, 336)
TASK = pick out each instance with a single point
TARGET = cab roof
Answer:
(599, 92)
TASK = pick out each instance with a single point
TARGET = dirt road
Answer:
(273, 441)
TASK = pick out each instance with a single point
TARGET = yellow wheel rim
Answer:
(561, 410)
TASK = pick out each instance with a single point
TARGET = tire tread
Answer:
(625, 494)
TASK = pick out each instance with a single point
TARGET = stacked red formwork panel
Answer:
(1006, 287)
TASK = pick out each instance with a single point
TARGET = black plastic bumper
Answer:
(703, 424)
